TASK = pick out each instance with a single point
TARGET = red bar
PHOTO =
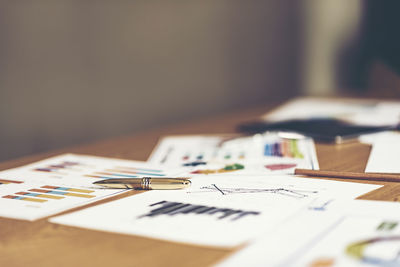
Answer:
(12, 197)
(22, 193)
(39, 190)
(50, 187)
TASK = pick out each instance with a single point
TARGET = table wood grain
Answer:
(41, 243)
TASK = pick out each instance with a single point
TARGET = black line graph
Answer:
(294, 193)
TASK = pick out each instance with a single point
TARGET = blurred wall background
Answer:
(350, 45)
(73, 71)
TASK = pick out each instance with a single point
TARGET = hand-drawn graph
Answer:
(294, 193)
(173, 208)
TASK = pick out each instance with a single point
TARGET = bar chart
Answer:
(48, 192)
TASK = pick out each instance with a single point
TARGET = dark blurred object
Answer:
(377, 64)
(323, 130)
(383, 39)
(383, 82)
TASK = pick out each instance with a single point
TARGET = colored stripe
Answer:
(105, 177)
(286, 149)
(122, 171)
(60, 166)
(68, 189)
(39, 195)
(138, 169)
(47, 191)
(25, 198)
(295, 150)
(61, 193)
(117, 174)
(44, 170)
(78, 195)
(267, 150)
(4, 181)
(33, 199)
(131, 176)
(275, 149)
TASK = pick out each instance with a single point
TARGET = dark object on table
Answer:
(323, 130)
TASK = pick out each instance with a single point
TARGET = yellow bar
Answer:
(78, 195)
(80, 190)
(50, 196)
(33, 199)
(295, 149)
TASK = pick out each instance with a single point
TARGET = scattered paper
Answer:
(220, 211)
(371, 138)
(383, 157)
(63, 182)
(259, 154)
(358, 240)
(350, 233)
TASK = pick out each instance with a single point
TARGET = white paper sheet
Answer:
(259, 154)
(215, 211)
(59, 183)
(363, 112)
(371, 138)
(383, 157)
(331, 237)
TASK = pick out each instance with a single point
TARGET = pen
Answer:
(384, 177)
(145, 183)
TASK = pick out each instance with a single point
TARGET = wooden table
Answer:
(44, 244)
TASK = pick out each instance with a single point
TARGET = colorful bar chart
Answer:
(285, 148)
(49, 192)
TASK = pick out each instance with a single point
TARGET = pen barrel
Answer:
(162, 183)
(146, 183)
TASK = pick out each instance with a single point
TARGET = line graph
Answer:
(294, 193)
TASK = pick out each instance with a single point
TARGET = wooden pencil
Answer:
(385, 177)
